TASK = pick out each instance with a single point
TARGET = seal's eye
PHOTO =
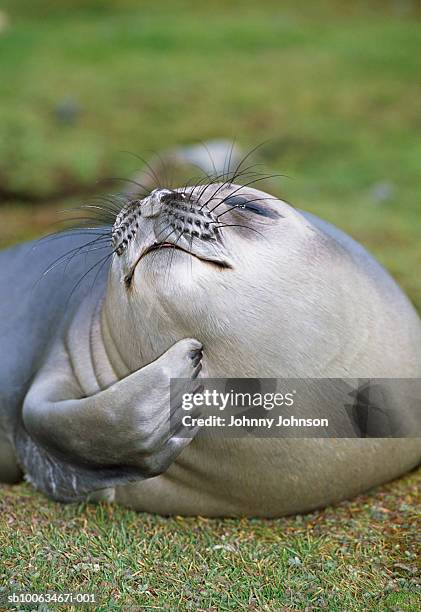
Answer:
(243, 203)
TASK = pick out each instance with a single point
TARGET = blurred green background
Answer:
(333, 89)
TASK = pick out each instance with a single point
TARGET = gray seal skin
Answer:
(222, 281)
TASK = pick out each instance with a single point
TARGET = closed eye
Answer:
(244, 203)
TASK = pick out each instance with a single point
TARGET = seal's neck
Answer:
(87, 351)
(125, 338)
(134, 337)
(109, 363)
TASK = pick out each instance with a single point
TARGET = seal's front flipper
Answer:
(70, 445)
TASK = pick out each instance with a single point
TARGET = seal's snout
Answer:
(187, 218)
(168, 218)
(190, 226)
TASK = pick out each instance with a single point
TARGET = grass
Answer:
(148, 77)
(361, 555)
(333, 90)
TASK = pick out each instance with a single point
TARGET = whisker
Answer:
(151, 171)
(71, 253)
(232, 193)
(167, 180)
(125, 180)
(230, 180)
(108, 256)
(76, 231)
(167, 276)
(252, 229)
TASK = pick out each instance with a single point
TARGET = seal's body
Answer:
(222, 277)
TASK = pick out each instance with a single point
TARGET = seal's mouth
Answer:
(158, 246)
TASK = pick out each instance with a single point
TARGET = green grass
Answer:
(361, 555)
(333, 90)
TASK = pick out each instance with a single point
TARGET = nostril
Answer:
(165, 195)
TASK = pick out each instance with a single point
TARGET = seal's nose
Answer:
(160, 192)
(152, 205)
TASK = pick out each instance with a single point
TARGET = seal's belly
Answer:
(269, 477)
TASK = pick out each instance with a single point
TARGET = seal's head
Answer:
(204, 261)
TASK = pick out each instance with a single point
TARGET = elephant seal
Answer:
(219, 280)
